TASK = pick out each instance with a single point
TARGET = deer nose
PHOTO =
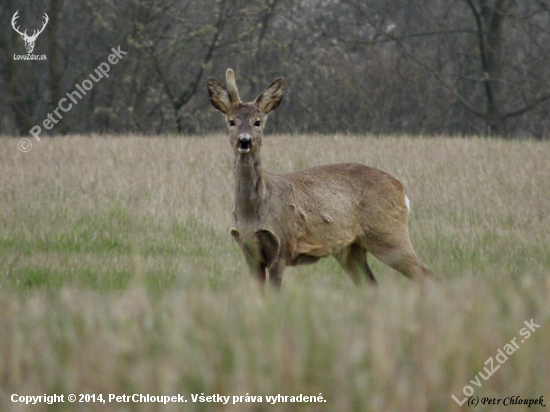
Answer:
(244, 143)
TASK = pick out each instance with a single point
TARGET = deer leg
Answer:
(412, 267)
(276, 274)
(368, 272)
(353, 259)
(257, 270)
(404, 260)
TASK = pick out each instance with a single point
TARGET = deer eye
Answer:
(231, 123)
(257, 123)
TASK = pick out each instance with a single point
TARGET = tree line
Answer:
(453, 67)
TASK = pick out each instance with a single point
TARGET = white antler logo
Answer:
(29, 40)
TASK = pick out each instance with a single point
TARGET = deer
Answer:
(344, 210)
(29, 40)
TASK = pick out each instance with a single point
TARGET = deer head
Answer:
(244, 120)
(29, 40)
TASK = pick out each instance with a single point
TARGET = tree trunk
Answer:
(53, 59)
(491, 19)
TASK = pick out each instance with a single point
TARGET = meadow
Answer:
(118, 276)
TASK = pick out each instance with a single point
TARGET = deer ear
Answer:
(272, 96)
(269, 245)
(219, 95)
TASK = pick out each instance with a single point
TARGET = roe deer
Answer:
(343, 210)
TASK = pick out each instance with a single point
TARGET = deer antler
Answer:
(15, 17)
(232, 86)
(35, 32)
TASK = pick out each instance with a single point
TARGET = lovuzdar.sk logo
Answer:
(29, 40)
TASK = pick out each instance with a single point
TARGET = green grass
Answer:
(118, 276)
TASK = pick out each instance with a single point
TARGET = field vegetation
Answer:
(118, 276)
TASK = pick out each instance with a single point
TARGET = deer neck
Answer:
(250, 185)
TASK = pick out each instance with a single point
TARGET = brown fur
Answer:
(341, 210)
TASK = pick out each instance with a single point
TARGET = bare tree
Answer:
(383, 66)
(477, 71)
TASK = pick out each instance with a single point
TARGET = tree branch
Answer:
(528, 107)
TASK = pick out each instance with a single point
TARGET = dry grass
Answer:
(117, 275)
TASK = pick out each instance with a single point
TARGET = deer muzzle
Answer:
(244, 143)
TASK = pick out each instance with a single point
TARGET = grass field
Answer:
(118, 276)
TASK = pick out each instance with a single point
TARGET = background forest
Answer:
(455, 67)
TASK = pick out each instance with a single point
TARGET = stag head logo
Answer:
(29, 40)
